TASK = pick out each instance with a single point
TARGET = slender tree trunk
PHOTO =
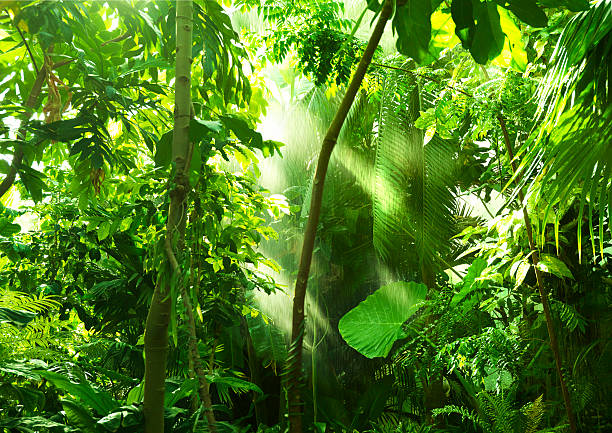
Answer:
(294, 363)
(156, 328)
(535, 257)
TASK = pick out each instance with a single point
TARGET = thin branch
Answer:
(27, 47)
(117, 39)
(62, 63)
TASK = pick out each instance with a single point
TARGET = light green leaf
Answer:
(554, 266)
(104, 230)
(375, 324)
(521, 272)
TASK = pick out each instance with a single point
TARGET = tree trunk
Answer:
(293, 369)
(535, 257)
(156, 328)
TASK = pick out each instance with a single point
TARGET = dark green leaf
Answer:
(488, 39)
(528, 12)
(163, 152)
(462, 13)
(17, 318)
(413, 27)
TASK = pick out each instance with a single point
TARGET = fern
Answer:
(569, 316)
(466, 415)
(534, 412)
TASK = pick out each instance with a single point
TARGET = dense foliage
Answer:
(160, 185)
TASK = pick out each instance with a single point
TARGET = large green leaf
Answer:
(99, 400)
(488, 39)
(554, 266)
(79, 416)
(462, 13)
(413, 27)
(375, 324)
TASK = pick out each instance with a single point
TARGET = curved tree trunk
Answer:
(156, 328)
(293, 369)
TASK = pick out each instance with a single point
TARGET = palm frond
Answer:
(413, 198)
(572, 149)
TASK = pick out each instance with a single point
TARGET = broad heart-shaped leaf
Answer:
(554, 266)
(413, 26)
(375, 324)
(488, 38)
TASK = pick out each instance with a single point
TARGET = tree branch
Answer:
(27, 47)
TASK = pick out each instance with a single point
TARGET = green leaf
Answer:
(234, 383)
(554, 266)
(462, 13)
(136, 394)
(413, 27)
(572, 5)
(528, 12)
(198, 129)
(7, 228)
(163, 151)
(104, 230)
(17, 318)
(97, 399)
(469, 283)
(521, 271)
(33, 182)
(243, 131)
(488, 36)
(375, 324)
(79, 416)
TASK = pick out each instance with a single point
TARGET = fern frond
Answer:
(534, 412)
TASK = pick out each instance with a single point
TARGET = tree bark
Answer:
(535, 257)
(293, 368)
(156, 328)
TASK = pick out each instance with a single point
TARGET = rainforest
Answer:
(306, 216)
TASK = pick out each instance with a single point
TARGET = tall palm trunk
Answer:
(156, 328)
(294, 362)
